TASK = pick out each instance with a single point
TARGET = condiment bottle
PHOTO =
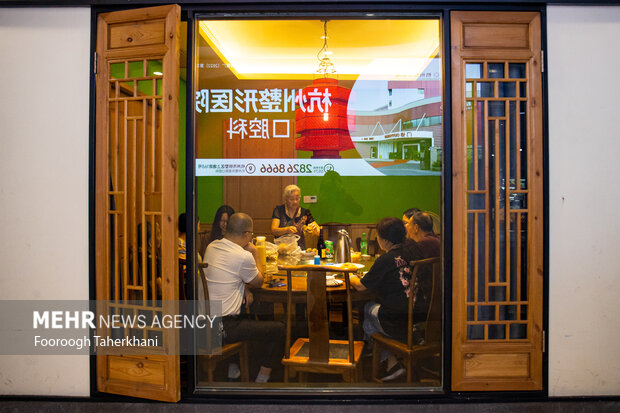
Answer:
(262, 253)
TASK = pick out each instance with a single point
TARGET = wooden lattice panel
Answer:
(135, 158)
(136, 197)
(496, 105)
(497, 177)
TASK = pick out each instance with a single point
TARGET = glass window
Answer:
(349, 111)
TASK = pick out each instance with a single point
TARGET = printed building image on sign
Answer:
(373, 115)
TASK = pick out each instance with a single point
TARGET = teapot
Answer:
(343, 247)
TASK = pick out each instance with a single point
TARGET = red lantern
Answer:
(321, 119)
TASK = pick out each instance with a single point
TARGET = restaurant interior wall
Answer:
(44, 198)
(583, 200)
(44, 162)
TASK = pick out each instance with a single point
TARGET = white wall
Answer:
(584, 144)
(44, 100)
(44, 104)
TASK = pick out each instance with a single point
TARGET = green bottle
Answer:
(364, 244)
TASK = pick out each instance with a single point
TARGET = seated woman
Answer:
(420, 232)
(289, 218)
(389, 279)
(220, 222)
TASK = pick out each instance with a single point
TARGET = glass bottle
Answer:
(320, 246)
(364, 244)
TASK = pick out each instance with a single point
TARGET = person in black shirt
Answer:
(389, 279)
(289, 218)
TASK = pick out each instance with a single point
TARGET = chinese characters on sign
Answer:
(261, 101)
(222, 167)
(245, 101)
(259, 128)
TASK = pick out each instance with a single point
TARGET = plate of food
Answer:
(352, 266)
(309, 253)
(331, 281)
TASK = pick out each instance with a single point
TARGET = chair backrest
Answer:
(318, 319)
(428, 267)
(203, 241)
(330, 230)
(205, 288)
(182, 275)
(213, 342)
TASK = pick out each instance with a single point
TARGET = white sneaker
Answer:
(233, 371)
(395, 372)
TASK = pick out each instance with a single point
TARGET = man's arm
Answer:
(258, 280)
(357, 283)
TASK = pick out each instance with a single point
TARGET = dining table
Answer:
(274, 288)
(274, 292)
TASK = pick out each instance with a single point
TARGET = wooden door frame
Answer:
(124, 36)
(500, 364)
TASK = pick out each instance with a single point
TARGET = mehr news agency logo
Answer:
(83, 319)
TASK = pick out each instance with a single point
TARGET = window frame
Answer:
(376, 392)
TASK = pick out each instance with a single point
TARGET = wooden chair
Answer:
(182, 280)
(331, 230)
(317, 353)
(209, 360)
(203, 241)
(430, 347)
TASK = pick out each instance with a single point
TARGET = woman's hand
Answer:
(316, 230)
(292, 229)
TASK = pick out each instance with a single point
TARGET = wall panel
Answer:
(584, 264)
(45, 54)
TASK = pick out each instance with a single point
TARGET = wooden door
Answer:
(257, 196)
(497, 201)
(137, 193)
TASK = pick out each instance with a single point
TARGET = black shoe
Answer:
(395, 372)
(366, 351)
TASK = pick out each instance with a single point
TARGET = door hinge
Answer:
(95, 63)
(542, 60)
(543, 341)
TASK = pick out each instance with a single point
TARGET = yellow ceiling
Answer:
(287, 49)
